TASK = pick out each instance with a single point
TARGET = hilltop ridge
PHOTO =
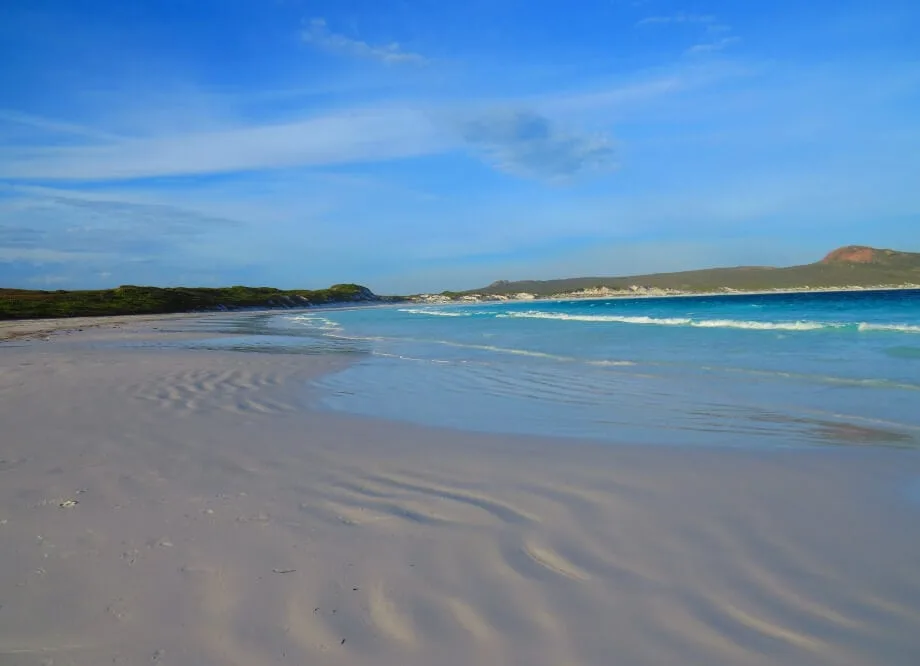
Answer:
(847, 267)
(862, 254)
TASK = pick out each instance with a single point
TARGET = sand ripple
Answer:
(218, 522)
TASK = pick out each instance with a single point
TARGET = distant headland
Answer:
(854, 267)
(133, 300)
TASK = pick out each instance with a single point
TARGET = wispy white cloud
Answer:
(35, 255)
(50, 236)
(352, 136)
(318, 34)
(16, 118)
(718, 28)
(647, 90)
(70, 225)
(679, 17)
(50, 279)
(713, 46)
(344, 136)
(717, 37)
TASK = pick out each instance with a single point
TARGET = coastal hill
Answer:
(853, 266)
(129, 299)
(860, 254)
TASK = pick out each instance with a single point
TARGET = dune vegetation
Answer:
(129, 299)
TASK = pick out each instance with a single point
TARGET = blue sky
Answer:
(421, 145)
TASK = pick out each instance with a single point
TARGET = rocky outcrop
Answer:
(860, 254)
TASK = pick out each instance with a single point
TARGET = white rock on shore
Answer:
(631, 290)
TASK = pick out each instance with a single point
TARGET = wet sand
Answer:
(188, 507)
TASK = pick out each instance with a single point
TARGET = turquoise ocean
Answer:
(774, 370)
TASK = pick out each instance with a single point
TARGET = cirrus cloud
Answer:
(318, 34)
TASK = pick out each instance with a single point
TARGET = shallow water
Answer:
(765, 370)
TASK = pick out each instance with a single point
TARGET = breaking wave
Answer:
(438, 313)
(900, 328)
(315, 322)
(714, 323)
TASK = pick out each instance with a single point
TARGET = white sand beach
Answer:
(187, 507)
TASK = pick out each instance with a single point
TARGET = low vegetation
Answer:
(129, 299)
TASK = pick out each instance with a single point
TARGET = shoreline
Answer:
(11, 329)
(29, 328)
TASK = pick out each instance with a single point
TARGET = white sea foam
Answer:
(462, 345)
(437, 313)
(313, 321)
(611, 363)
(403, 357)
(766, 325)
(507, 350)
(824, 379)
(713, 323)
(536, 314)
(502, 350)
(900, 328)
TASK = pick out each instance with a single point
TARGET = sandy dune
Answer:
(187, 507)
